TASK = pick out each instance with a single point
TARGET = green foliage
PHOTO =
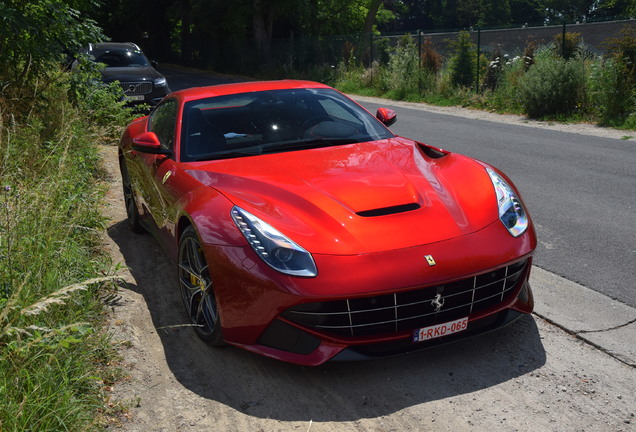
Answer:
(568, 48)
(494, 13)
(552, 86)
(610, 92)
(495, 69)
(538, 83)
(505, 96)
(382, 50)
(53, 354)
(34, 37)
(402, 75)
(102, 103)
(623, 50)
(462, 64)
(430, 58)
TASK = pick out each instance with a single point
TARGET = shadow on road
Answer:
(267, 388)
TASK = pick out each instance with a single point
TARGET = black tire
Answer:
(197, 290)
(129, 200)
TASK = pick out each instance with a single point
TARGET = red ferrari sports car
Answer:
(305, 230)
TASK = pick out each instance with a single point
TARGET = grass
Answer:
(56, 361)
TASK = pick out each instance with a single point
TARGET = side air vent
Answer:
(389, 210)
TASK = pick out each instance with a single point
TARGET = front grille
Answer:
(404, 311)
(136, 88)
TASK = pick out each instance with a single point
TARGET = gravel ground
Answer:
(528, 376)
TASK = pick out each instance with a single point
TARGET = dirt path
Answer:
(529, 376)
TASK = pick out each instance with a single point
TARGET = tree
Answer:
(463, 61)
(558, 10)
(36, 35)
(374, 7)
(615, 8)
(262, 21)
(527, 12)
(494, 13)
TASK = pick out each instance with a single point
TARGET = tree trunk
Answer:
(263, 21)
(370, 20)
(186, 37)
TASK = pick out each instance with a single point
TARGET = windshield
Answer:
(120, 57)
(274, 121)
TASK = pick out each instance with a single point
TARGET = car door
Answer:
(155, 173)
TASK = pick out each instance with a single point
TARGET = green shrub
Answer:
(34, 37)
(505, 96)
(430, 57)
(623, 50)
(462, 64)
(402, 76)
(102, 103)
(610, 93)
(552, 86)
(495, 69)
(570, 48)
(381, 50)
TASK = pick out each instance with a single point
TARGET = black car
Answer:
(126, 63)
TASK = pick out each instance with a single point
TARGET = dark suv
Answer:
(127, 64)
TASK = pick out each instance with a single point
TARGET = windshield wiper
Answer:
(307, 144)
(226, 155)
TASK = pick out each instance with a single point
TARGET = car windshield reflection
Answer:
(249, 124)
(121, 58)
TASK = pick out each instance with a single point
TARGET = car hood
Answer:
(125, 74)
(359, 198)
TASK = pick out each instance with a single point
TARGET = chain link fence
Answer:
(513, 41)
(301, 55)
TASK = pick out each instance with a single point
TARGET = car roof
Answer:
(195, 93)
(113, 45)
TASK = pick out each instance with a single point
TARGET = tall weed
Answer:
(506, 96)
(610, 92)
(53, 354)
(403, 71)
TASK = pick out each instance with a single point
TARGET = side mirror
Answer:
(386, 116)
(148, 142)
(154, 63)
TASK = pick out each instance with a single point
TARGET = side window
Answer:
(162, 122)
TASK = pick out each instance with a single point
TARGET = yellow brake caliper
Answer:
(195, 281)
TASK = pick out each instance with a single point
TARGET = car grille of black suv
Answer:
(402, 311)
(136, 88)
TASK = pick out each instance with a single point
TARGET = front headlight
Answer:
(160, 82)
(273, 247)
(511, 211)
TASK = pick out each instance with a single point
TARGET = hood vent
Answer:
(432, 152)
(384, 211)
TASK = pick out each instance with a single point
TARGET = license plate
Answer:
(135, 98)
(440, 330)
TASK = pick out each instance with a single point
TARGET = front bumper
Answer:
(254, 300)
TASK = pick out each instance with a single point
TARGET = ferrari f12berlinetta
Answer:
(305, 230)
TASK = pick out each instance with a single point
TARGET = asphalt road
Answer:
(579, 189)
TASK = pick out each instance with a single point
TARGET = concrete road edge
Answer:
(607, 324)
